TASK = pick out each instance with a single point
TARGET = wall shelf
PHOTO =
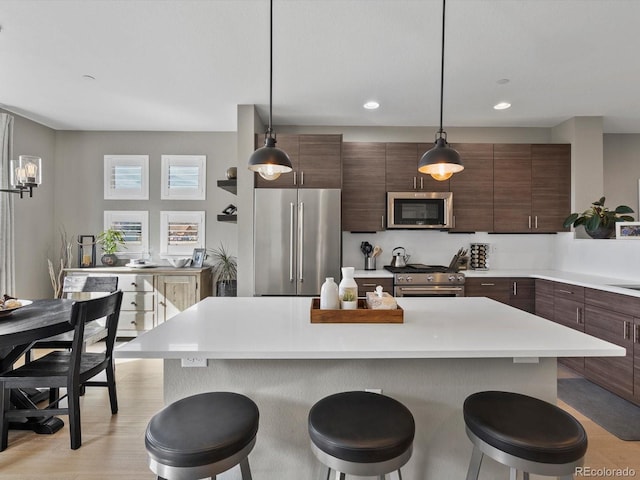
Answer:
(229, 185)
(228, 218)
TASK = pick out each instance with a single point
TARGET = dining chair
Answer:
(79, 287)
(71, 370)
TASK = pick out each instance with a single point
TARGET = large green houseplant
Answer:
(110, 240)
(225, 271)
(598, 220)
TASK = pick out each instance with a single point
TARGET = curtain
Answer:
(7, 258)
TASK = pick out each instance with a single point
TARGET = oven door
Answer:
(429, 291)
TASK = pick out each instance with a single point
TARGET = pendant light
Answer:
(269, 161)
(441, 161)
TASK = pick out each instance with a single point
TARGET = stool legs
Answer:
(244, 469)
(474, 465)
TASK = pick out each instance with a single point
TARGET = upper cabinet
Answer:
(316, 161)
(402, 169)
(363, 187)
(532, 187)
(473, 189)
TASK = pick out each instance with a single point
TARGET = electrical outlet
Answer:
(373, 390)
(193, 362)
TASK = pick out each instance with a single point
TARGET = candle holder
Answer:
(86, 251)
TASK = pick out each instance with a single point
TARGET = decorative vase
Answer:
(329, 299)
(109, 259)
(227, 288)
(348, 289)
(601, 232)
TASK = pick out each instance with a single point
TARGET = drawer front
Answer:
(135, 283)
(137, 302)
(569, 313)
(523, 288)
(544, 305)
(566, 290)
(544, 287)
(494, 288)
(135, 321)
(613, 301)
(369, 285)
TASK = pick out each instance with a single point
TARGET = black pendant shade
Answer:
(269, 161)
(441, 161)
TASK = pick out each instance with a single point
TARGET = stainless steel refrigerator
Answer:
(297, 240)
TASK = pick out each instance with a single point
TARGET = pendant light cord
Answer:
(444, 3)
(270, 130)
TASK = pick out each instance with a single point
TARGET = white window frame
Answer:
(142, 216)
(167, 217)
(184, 193)
(112, 161)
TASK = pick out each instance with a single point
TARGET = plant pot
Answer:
(227, 288)
(109, 259)
(601, 232)
(346, 305)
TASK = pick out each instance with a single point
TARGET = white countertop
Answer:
(380, 273)
(279, 328)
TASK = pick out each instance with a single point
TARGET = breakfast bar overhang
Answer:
(446, 349)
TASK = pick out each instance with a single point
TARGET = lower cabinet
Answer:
(517, 292)
(369, 284)
(636, 360)
(152, 296)
(568, 310)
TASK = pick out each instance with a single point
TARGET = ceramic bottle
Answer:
(329, 299)
(348, 290)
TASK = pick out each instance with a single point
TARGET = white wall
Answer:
(622, 170)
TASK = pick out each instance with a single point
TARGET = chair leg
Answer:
(474, 464)
(399, 475)
(340, 475)
(328, 475)
(54, 395)
(5, 395)
(111, 383)
(525, 475)
(73, 400)
(244, 469)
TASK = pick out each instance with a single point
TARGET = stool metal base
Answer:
(377, 469)
(209, 470)
(480, 448)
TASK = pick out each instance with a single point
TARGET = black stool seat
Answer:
(525, 427)
(202, 429)
(361, 427)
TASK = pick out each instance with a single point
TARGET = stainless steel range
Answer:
(418, 280)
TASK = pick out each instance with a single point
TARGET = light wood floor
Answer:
(113, 446)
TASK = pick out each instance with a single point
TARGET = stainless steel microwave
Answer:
(419, 210)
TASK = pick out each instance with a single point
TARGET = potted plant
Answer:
(225, 271)
(110, 240)
(598, 220)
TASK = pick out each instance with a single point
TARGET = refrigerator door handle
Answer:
(291, 240)
(301, 242)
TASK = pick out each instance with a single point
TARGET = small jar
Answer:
(329, 299)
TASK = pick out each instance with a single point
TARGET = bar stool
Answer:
(524, 433)
(361, 433)
(201, 436)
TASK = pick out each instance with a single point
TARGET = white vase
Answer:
(329, 299)
(348, 289)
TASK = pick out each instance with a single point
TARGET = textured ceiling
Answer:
(185, 65)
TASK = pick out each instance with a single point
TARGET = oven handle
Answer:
(430, 289)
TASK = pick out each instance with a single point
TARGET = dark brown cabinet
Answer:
(522, 294)
(636, 360)
(568, 310)
(473, 189)
(544, 299)
(517, 292)
(369, 284)
(363, 187)
(316, 161)
(532, 187)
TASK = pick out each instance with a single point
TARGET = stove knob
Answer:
(452, 278)
(409, 279)
(430, 278)
(400, 279)
(461, 278)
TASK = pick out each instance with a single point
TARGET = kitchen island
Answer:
(446, 349)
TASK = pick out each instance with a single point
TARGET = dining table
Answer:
(19, 330)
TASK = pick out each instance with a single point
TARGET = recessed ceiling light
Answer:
(502, 81)
(501, 106)
(371, 105)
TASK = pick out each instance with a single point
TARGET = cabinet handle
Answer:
(421, 184)
(134, 284)
(134, 303)
(579, 315)
(565, 291)
(529, 222)
(488, 284)
(382, 221)
(133, 322)
(536, 221)
(162, 303)
(515, 288)
(301, 178)
(368, 284)
(295, 177)
(291, 241)
(454, 221)
(626, 334)
(637, 335)
(414, 183)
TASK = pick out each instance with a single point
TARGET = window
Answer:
(181, 232)
(184, 177)
(134, 226)
(126, 177)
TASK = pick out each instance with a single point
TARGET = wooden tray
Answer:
(361, 315)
